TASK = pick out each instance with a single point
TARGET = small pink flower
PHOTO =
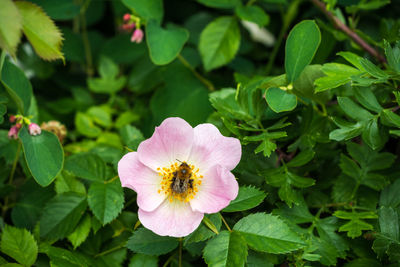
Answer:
(137, 36)
(179, 174)
(127, 17)
(34, 129)
(13, 132)
(12, 118)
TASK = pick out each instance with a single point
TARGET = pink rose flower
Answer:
(34, 129)
(13, 132)
(137, 36)
(179, 174)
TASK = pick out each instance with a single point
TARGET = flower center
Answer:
(179, 181)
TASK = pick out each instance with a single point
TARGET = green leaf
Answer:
(355, 227)
(204, 232)
(226, 249)
(280, 100)
(247, 198)
(64, 257)
(301, 46)
(301, 159)
(10, 27)
(146, 242)
(252, 13)
(393, 55)
(66, 182)
(220, 3)
(61, 215)
(101, 115)
(86, 165)
(41, 31)
(390, 196)
(268, 233)
(219, 42)
(106, 200)
(84, 124)
(81, 232)
(389, 222)
(352, 58)
(165, 44)
(143, 260)
(373, 136)
(353, 110)
(41, 148)
(108, 83)
(61, 9)
(149, 9)
(17, 86)
(390, 118)
(337, 75)
(373, 70)
(131, 136)
(367, 99)
(19, 244)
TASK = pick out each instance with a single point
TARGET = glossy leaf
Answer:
(41, 148)
(165, 44)
(86, 165)
(149, 9)
(219, 42)
(146, 242)
(226, 249)
(248, 198)
(268, 233)
(301, 46)
(280, 100)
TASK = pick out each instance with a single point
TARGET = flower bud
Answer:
(34, 129)
(13, 132)
(127, 17)
(137, 36)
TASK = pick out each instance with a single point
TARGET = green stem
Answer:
(287, 20)
(111, 180)
(2, 58)
(11, 178)
(180, 252)
(169, 260)
(206, 82)
(109, 250)
(86, 43)
(226, 224)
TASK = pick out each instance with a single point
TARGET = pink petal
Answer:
(174, 218)
(146, 182)
(171, 141)
(217, 189)
(210, 148)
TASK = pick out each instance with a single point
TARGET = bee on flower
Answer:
(179, 174)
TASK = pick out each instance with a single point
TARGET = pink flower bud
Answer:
(128, 27)
(127, 17)
(137, 36)
(12, 118)
(18, 125)
(34, 129)
(13, 132)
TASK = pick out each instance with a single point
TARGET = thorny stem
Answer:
(226, 224)
(206, 82)
(354, 36)
(10, 180)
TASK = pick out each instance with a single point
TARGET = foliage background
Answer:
(314, 101)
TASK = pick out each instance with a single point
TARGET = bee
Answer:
(181, 179)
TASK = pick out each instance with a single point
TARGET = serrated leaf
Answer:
(355, 226)
(61, 215)
(81, 232)
(146, 242)
(226, 249)
(268, 233)
(87, 166)
(389, 222)
(301, 46)
(204, 232)
(219, 42)
(106, 200)
(19, 244)
(373, 70)
(41, 31)
(64, 257)
(301, 159)
(390, 196)
(336, 75)
(143, 260)
(84, 124)
(247, 198)
(10, 27)
(66, 182)
(41, 148)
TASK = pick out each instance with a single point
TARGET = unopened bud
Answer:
(34, 129)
